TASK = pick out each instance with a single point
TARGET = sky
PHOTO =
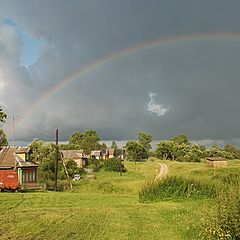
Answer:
(120, 67)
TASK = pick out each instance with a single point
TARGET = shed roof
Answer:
(216, 159)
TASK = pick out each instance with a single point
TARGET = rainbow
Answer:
(95, 65)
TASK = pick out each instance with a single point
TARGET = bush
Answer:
(95, 164)
(114, 165)
(225, 222)
(173, 188)
(106, 187)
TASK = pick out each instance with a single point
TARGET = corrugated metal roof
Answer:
(72, 154)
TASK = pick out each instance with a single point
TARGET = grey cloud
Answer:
(199, 80)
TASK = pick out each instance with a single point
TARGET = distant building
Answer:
(217, 162)
(108, 153)
(96, 154)
(76, 155)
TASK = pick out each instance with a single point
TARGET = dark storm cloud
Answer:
(197, 82)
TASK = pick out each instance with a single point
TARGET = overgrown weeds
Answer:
(176, 187)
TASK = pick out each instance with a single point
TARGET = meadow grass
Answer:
(105, 208)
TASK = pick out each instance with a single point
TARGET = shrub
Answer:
(106, 187)
(225, 222)
(114, 165)
(173, 188)
(95, 164)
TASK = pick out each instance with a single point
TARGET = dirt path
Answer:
(163, 171)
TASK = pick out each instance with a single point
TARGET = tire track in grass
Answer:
(19, 203)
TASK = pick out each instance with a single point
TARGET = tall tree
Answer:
(114, 145)
(90, 141)
(181, 138)
(104, 146)
(3, 138)
(3, 115)
(136, 151)
(145, 139)
(75, 139)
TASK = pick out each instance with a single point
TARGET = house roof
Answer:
(23, 150)
(72, 154)
(9, 159)
(22, 163)
(96, 153)
(216, 159)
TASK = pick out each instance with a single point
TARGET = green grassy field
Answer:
(106, 208)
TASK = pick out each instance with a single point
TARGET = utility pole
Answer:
(56, 162)
(14, 132)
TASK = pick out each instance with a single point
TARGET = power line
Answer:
(30, 122)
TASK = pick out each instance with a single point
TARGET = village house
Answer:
(16, 169)
(217, 162)
(96, 154)
(77, 155)
(108, 153)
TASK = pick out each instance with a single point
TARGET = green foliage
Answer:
(3, 138)
(104, 146)
(180, 139)
(182, 152)
(113, 164)
(232, 149)
(46, 167)
(3, 115)
(174, 188)
(114, 145)
(145, 139)
(136, 151)
(95, 164)
(75, 140)
(216, 151)
(225, 222)
(87, 141)
(72, 168)
(39, 150)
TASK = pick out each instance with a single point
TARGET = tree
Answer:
(75, 140)
(136, 151)
(233, 150)
(90, 141)
(104, 146)
(87, 141)
(114, 145)
(145, 139)
(216, 151)
(3, 138)
(181, 138)
(164, 150)
(72, 167)
(3, 116)
(183, 152)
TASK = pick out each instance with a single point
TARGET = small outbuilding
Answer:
(217, 162)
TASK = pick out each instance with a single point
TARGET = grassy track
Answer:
(105, 208)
